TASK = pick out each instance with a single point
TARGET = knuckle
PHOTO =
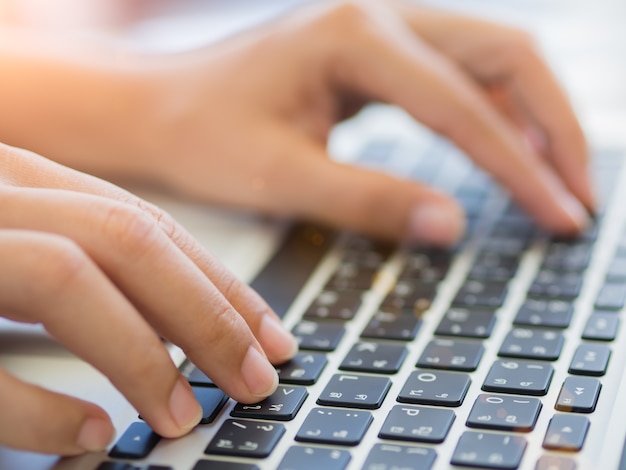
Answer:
(348, 16)
(133, 231)
(59, 262)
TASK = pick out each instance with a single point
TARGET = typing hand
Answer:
(255, 113)
(107, 274)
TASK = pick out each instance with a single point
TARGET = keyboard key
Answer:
(128, 466)
(612, 296)
(314, 458)
(556, 284)
(617, 269)
(590, 359)
(353, 275)
(136, 442)
(426, 267)
(566, 432)
(477, 293)
(467, 323)
(398, 325)
(504, 413)
(302, 369)
(461, 355)
(545, 312)
(334, 426)
(579, 395)
(601, 327)
(555, 462)
(355, 391)
(282, 405)
(493, 266)
(411, 294)
(212, 400)
(417, 424)
(391, 457)
(245, 438)
(532, 343)
(208, 464)
(425, 387)
(487, 450)
(335, 305)
(519, 377)
(378, 358)
(318, 336)
(567, 256)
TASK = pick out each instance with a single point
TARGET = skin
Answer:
(203, 128)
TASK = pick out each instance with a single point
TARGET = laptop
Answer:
(504, 352)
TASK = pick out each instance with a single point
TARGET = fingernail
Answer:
(273, 335)
(436, 223)
(95, 435)
(576, 211)
(184, 407)
(258, 374)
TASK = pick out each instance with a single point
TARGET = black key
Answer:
(468, 323)
(212, 400)
(617, 269)
(612, 296)
(379, 358)
(505, 245)
(411, 294)
(590, 359)
(544, 312)
(579, 395)
(302, 369)
(390, 457)
(245, 438)
(567, 256)
(353, 275)
(435, 388)
(128, 466)
(417, 424)
(529, 343)
(556, 285)
(198, 378)
(314, 458)
(493, 266)
(476, 293)
(519, 377)
(487, 450)
(334, 426)
(426, 267)
(555, 462)
(136, 442)
(282, 405)
(355, 391)
(566, 432)
(461, 355)
(335, 305)
(601, 327)
(318, 336)
(208, 464)
(396, 325)
(504, 413)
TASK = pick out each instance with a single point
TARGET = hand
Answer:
(107, 274)
(248, 119)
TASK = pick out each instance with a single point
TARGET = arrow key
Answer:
(136, 443)
(566, 432)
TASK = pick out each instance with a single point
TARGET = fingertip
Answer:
(95, 434)
(436, 221)
(258, 374)
(278, 343)
(184, 408)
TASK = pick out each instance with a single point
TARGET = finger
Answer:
(357, 199)
(169, 290)
(70, 427)
(411, 74)
(278, 344)
(507, 57)
(78, 306)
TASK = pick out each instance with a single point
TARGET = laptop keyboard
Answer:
(496, 354)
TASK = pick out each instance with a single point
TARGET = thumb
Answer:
(318, 188)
